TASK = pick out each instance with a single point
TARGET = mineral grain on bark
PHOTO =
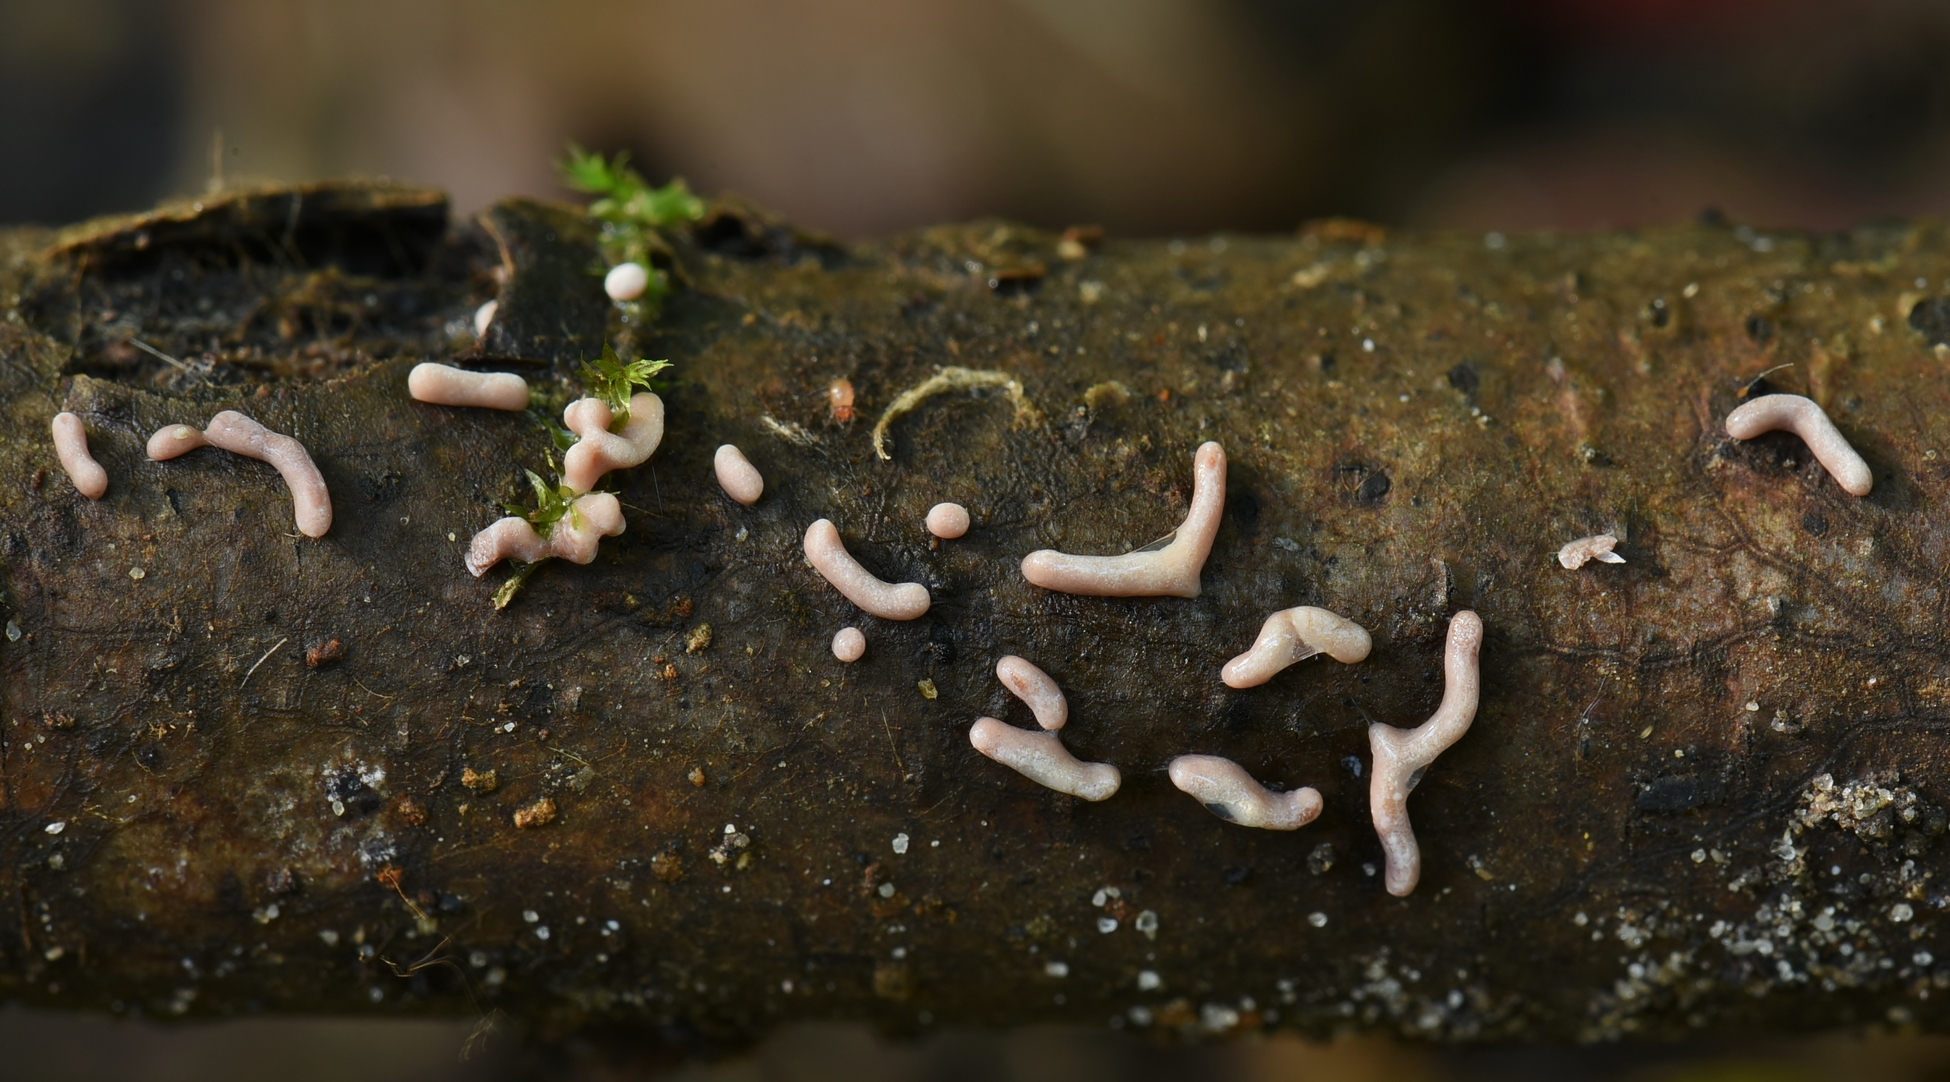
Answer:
(1704, 790)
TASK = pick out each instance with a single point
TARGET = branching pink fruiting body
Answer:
(510, 538)
(1576, 554)
(1042, 758)
(445, 385)
(591, 518)
(849, 645)
(311, 502)
(598, 450)
(890, 601)
(574, 538)
(1401, 755)
(1230, 793)
(1171, 571)
(1805, 419)
(71, 447)
(737, 476)
(948, 520)
(173, 440)
(1296, 634)
(1034, 686)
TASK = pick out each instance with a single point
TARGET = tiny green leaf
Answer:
(613, 380)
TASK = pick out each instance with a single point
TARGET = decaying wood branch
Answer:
(243, 768)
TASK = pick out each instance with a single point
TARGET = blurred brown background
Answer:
(862, 117)
(1150, 116)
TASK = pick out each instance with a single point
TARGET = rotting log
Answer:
(242, 769)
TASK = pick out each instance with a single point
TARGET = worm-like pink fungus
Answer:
(483, 316)
(737, 476)
(71, 447)
(1805, 419)
(511, 538)
(445, 385)
(1042, 758)
(311, 502)
(591, 518)
(173, 440)
(849, 645)
(1230, 793)
(887, 600)
(574, 538)
(1034, 686)
(948, 520)
(1576, 554)
(1401, 755)
(598, 450)
(1170, 571)
(1292, 635)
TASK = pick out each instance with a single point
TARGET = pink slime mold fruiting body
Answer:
(71, 447)
(575, 537)
(311, 501)
(598, 450)
(1229, 792)
(445, 385)
(849, 645)
(1034, 686)
(1401, 755)
(1803, 417)
(1296, 634)
(737, 476)
(1171, 571)
(171, 441)
(1042, 758)
(887, 600)
(947, 520)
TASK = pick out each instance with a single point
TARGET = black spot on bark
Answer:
(230, 894)
(1814, 524)
(1243, 509)
(1660, 312)
(1238, 713)
(1464, 378)
(1682, 792)
(1760, 329)
(348, 789)
(941, 644)
(1373, 490)
(1236, 876)
(1932, 317)
(381, 488)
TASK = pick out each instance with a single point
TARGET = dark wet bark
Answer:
(246, 770)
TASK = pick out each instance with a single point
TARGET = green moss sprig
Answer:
(553, 503)
(614, 380)
(631, 211)
(632, 214)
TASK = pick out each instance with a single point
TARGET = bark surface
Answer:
(242, 769)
